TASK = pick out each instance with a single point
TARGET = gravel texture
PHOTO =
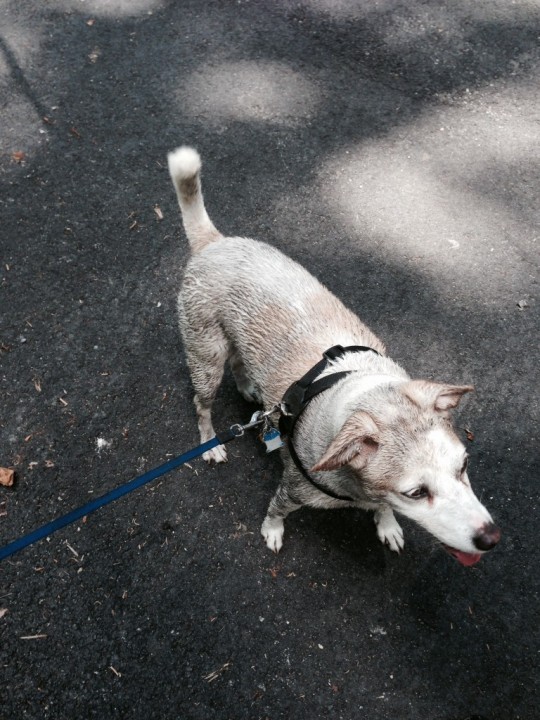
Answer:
(392, 148)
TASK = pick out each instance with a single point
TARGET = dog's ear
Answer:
(440, 398)
(355, 443)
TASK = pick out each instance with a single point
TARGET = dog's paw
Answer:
(272, 531)
(217, 454)
(389, 530)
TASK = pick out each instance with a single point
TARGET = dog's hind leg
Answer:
(245, 385)
(207, 350)
(273, 528)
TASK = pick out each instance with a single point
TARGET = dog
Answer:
(373, 438)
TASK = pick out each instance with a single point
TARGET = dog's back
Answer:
(267, 306)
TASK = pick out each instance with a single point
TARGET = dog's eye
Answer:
(417, 493)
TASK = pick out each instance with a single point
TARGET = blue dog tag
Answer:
(272, 439)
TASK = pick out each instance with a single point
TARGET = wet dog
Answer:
(374, 439)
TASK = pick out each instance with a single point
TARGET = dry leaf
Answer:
(90, 22)
(469, 434)
(7, 476)
(158, 212)
(18, 156)
(3, 611)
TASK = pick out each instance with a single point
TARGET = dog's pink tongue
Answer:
(467, 558)
(464, 558)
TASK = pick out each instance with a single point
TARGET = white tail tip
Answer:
(184, 163)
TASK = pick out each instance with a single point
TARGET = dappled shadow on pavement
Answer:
(392, 149)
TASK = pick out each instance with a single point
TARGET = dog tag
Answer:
(272, 439)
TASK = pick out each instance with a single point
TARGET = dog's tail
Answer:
(185, 170)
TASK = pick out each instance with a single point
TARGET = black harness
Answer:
(299, 395)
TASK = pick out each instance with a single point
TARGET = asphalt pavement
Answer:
(392, 147)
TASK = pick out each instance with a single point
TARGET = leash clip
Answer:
(238, 430)
(269, 436)
(259, 417)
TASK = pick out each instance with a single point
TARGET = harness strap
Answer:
(287, 422)
(298, 396)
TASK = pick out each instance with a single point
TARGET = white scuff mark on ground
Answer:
(102, 444)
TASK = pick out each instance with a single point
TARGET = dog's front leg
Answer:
(273, 528)
(388, 528)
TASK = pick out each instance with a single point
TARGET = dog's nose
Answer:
(488, 537)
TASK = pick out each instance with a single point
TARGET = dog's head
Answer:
(403, 449)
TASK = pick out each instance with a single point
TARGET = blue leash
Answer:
(234, 432)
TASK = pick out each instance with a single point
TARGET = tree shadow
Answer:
(82, 234)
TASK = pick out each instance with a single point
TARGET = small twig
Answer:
(216, 673)
(72, 549)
